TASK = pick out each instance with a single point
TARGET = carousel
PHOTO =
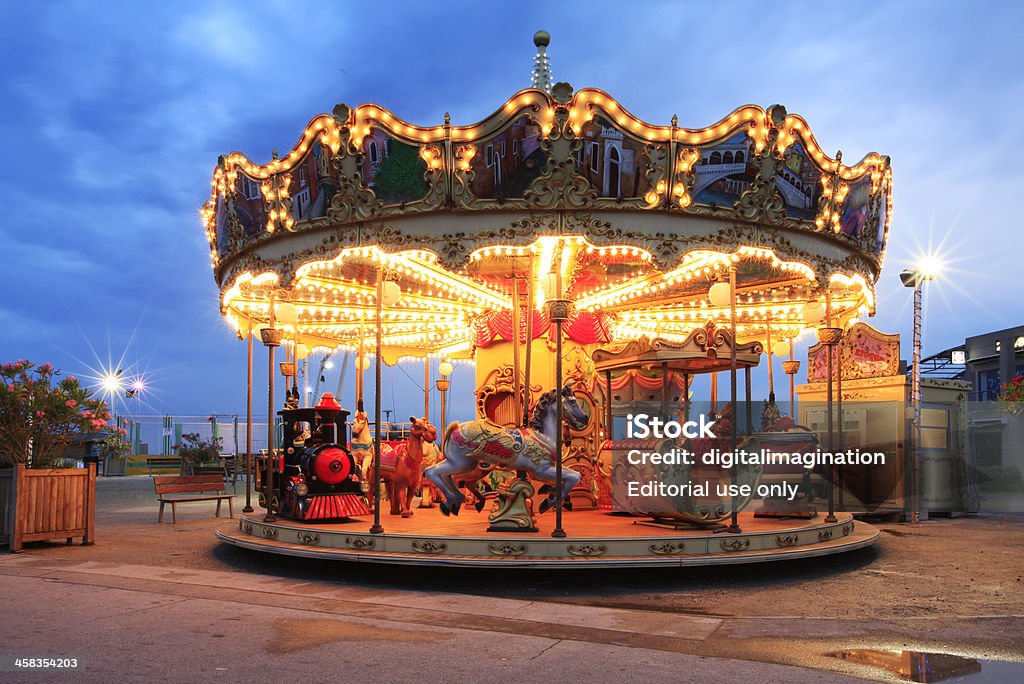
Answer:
(592, 266)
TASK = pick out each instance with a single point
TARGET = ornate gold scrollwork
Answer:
(507, 549)
(668, 549)
(585, 550)
(429, 547)
(733, 545)
(788, 540)
(360, 543)
(308, 538)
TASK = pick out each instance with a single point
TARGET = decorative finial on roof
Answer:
(542, 79)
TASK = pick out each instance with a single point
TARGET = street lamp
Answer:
(443, 383)
(927, 269)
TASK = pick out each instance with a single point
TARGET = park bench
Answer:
(162, 462)
(175, 489)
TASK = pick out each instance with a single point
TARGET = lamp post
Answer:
(915, 278)
(443, 384)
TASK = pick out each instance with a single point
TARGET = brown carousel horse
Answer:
(401, 468)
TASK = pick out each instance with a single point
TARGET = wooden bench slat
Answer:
(187, 479)
(179, 499)
(187, 489)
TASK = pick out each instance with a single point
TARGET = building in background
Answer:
(989, 361)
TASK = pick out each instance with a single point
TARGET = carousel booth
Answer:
(588, 263)
(873, 395)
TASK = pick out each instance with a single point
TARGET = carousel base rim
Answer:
(685, 549)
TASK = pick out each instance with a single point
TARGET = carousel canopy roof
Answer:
(563, 194)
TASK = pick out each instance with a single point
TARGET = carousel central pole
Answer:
(377, 528)
(248, 422)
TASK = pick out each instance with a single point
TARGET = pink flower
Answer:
(124, 432)
(10, 388)
(87, 414)
(45, 368)
(71, 403)
(39, 414)
(98, 424)
(72, 378)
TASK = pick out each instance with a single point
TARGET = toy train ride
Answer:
(315, 476)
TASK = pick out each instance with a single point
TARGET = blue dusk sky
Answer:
(115, 113)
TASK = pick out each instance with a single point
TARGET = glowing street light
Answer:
(928, 267)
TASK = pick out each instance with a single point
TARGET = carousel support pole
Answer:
(558, 311)
(377, 528)
(734, 523)
(426, 388)
(792, 381)
(714, 393)
(747, 402)
(664, 390)
(272, 339)
(248, 421)
(839, 412)
(529, 348)
(830, 423)
(558, 532)
(686, 397)
(608, 434)
(517, 401)
(771, 372)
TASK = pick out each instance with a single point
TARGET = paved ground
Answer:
(169, 603)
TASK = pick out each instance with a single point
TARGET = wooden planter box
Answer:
(39, 505)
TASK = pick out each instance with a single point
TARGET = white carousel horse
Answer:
(533, 449)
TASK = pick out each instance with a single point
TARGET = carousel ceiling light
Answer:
(812, 312)
(719, 294)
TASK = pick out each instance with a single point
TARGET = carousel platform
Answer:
(595, 539)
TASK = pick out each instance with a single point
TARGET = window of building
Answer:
(594, 151)
(988, 384)
(716, 157)
(374, 153)
(727, 158)
(302, 176)
(490, 155)
(999, 346)
(502, 149)
(515, 148)
(739, 157)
